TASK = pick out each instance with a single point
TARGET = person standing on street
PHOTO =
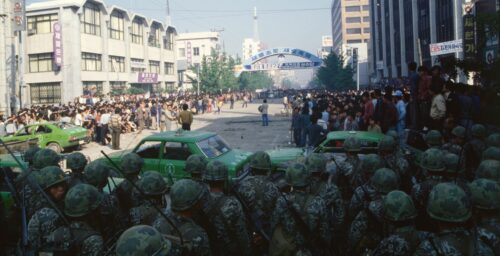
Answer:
(245, 102)
(401, 107)
(185, 118)
(115, 127)
(105, 117)
(140, 117)
(414, 82)
(263, 110)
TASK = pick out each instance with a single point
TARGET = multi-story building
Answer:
(83, 47)
(251, 47)
(326, 47)
(350, 22)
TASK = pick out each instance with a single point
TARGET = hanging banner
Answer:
(469, 37)
(446, 47)
(58, 45)
(19, 13)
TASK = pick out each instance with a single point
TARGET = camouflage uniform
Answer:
(312, 211)
(185, 196)
(346, 170)
(76, 162)
(154, 187)
(367, 229)
(227, 233)
(489, 169)
(486, 198)
(491, 153)
(145, 241)
(387, 148)
(493, 140)
(449, 203)
(127, 196)
(195, 165)
(474, 149)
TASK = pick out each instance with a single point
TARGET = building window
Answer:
(355, 41)
(182, 52)
(170, 85)
(351, 31)
(116, 26)
(92, 88)
(41, 62)
(353, 8)
(154, 67)
(154, 36)
(366, 19)
(353, 19)
(366, 7)
(169, 68)
(91, 19)
(196, 51)
(91, 62)
(169, 40)
(118, 86)
(45, 93)
(137, 65)
(116, 64)
(42, 24)
(366, 30)
(137, 31)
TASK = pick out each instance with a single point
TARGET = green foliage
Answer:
(334, 76)
(216, 73)
(135, 91)
(255, 80)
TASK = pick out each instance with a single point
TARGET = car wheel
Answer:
(55, 147)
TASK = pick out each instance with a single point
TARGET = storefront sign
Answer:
(58, 45)
(19, 13)
(138, 64)
(469, 37)
(148, 78)
(446, 47)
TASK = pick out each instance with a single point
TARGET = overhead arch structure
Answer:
(312, 61)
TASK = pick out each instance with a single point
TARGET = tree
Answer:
(255, 80)
(216, 72)
(334, 76)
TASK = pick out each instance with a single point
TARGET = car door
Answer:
(21, 135)
(151, 153)
(174, 159)
(42, 133)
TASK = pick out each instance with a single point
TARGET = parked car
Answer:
(57, 136)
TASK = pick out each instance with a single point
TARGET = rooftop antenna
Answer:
(169, 19)
(255, 25)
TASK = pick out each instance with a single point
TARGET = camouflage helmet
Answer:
(352, 144)
(142, 240)
(132, 164)
(96, 173)
(50, 176)
(316, 162)
(185, 194)
(215, 171)
(297, 175)
(478, 131)
(432, 160)
(387, 144)
(384, 180)
(451, 162)
(152, 184)
(458, 131)
(448, 202)
(434, 138)
(46, 157)
(260, 161)
(76, 161)
(398, 206)
(493, 140)
(29, 155)
(491, 153)
(196, 164)
(81, 200)
(371, 163)
(393, 134)
(485, 194)
(489, 169)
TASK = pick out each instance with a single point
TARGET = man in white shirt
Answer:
(105, 117)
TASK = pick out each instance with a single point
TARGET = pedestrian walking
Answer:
(115, 127)
(185, 118)
(263, 109)
(140, 117)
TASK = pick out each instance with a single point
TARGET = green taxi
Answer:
(334, 141)
(57, 136)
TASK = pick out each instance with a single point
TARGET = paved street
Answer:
(240, 127)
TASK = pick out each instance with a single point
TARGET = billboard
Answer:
(148, 78)
(446, 47)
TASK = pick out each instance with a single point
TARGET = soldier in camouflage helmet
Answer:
(450, 208)
(399, 210)
(46, 219)
(486, 201)
(398, 141)
(226, 225)
(322, 186)
(185, 198)
(491, 153)
(81, 236)
(347, 168)
(434, 139)
(258, 194)
(489, 169)
(76, 162)
(33, 200)
(453, 173)
(493, 140)
(96, 174)
(313, 211)
(154, 188)
(46, 157)
(474, 149)
(144, 240)
(195, 165)
(131, 165)
(387, 150)
(29, 155)
(456, 145)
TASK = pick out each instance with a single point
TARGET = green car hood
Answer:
(234, 159)
(284, 155)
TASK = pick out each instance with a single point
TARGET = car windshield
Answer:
(64, 126)
(213, 146)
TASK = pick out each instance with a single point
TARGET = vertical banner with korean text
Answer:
(58, 45)
(469, 37)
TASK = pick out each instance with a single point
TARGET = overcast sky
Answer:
(282, 23)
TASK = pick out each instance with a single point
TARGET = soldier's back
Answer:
(41, 225)
(453, 242)
(489, 233)
(404, 241)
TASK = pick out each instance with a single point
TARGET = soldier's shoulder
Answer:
(393, 245)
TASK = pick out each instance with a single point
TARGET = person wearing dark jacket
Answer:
(296, 127)
(315, 132)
